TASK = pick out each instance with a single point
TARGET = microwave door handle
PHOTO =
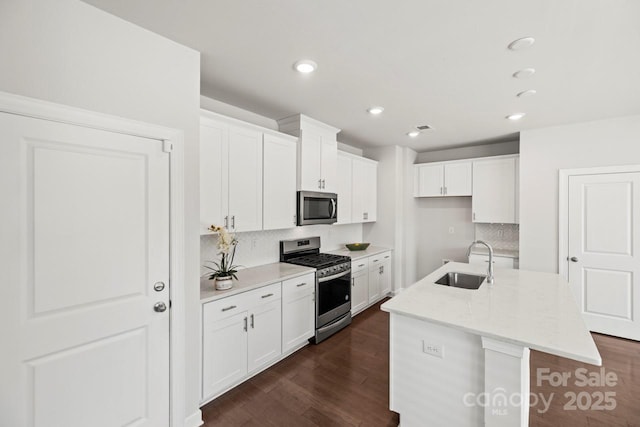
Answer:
(333, 208)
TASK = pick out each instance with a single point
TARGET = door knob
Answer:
(574, 259)
(159, 307)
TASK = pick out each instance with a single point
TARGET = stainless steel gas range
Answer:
(333, 283)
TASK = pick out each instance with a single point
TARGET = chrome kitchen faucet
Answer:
(490, 270)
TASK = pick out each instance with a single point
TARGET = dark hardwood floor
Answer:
(344, 381)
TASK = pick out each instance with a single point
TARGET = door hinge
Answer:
(167, 146)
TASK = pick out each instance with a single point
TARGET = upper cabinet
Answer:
(495, 190)
(344, 187)
(357, 189)
(233, 180)
(279, 182)
(443, 179)
(317, 152)
(230, 176)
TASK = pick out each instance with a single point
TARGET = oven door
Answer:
(333, 297)
(317, 208)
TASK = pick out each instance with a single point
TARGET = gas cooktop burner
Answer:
(319, 260)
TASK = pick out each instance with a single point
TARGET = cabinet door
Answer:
(213, 175)
(279, 183)
(494, 196)
(429, 180)
(265, 334)
(329, 162)
(310, 158)
(224, 353)
(358, 191)
(344, 188)
(370, 191)
(245, 179)
(374, 284)
(298, 311)
(457, 179)
(359, 291)
(385, 274)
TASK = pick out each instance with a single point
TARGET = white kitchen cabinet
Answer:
(241, 335)
(298, 311)
(344, 188)
(359, 285)
(443, 179)
(379, 276)
(364, 193)
(494, 190)
(317, 152)
(279, 182)
(498, 261)
(230, 175)
(385, 274)
(265, 334)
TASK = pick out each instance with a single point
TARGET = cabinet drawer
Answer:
(498, 261)
(376, 260)
(359, 265)
(265, 294)
(302, 285)
(223, 308)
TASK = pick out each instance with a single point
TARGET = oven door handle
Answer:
(335, 276)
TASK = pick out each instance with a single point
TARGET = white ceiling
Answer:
(438, 62)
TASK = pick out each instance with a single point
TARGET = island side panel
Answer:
(432, 390)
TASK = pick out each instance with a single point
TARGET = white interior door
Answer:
(84, 236)
(604, 237)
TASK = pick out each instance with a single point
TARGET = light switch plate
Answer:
(432, 349)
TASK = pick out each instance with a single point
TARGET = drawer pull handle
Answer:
(267, 295)
(231, 307)
(301, 284)
(387, 256)
(361, 265)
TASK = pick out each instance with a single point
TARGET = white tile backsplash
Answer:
(263, 247)
(500, 236)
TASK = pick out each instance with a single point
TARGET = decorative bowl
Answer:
(357, 246)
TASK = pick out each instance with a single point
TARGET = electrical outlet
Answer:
(452, 230)
(254, 243)
(432, 349)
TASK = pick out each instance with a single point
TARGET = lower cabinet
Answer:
(359, 285)
(298, 311)
(241, 334)
(370, 280)
(498, 261)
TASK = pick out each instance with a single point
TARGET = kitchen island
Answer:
(460, 357)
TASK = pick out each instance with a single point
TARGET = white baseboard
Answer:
(194, 420)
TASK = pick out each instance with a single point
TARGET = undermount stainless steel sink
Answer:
(461, 280)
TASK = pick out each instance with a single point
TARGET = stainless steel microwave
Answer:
(317, 208)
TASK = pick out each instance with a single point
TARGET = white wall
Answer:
(486, 150)
(545, 151)
(71, 53)
(396, 211)
(434, 217)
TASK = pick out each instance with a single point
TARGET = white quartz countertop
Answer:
(252, 278)
(532, 309)
(507, 253)
(371, 250)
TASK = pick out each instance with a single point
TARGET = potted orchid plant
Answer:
(224, 271)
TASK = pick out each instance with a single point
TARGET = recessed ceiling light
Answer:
(413, 133)
(522, 43)
(375, 110)
(526, 93)
(516, 116)
(524, 73)
(305, 66)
